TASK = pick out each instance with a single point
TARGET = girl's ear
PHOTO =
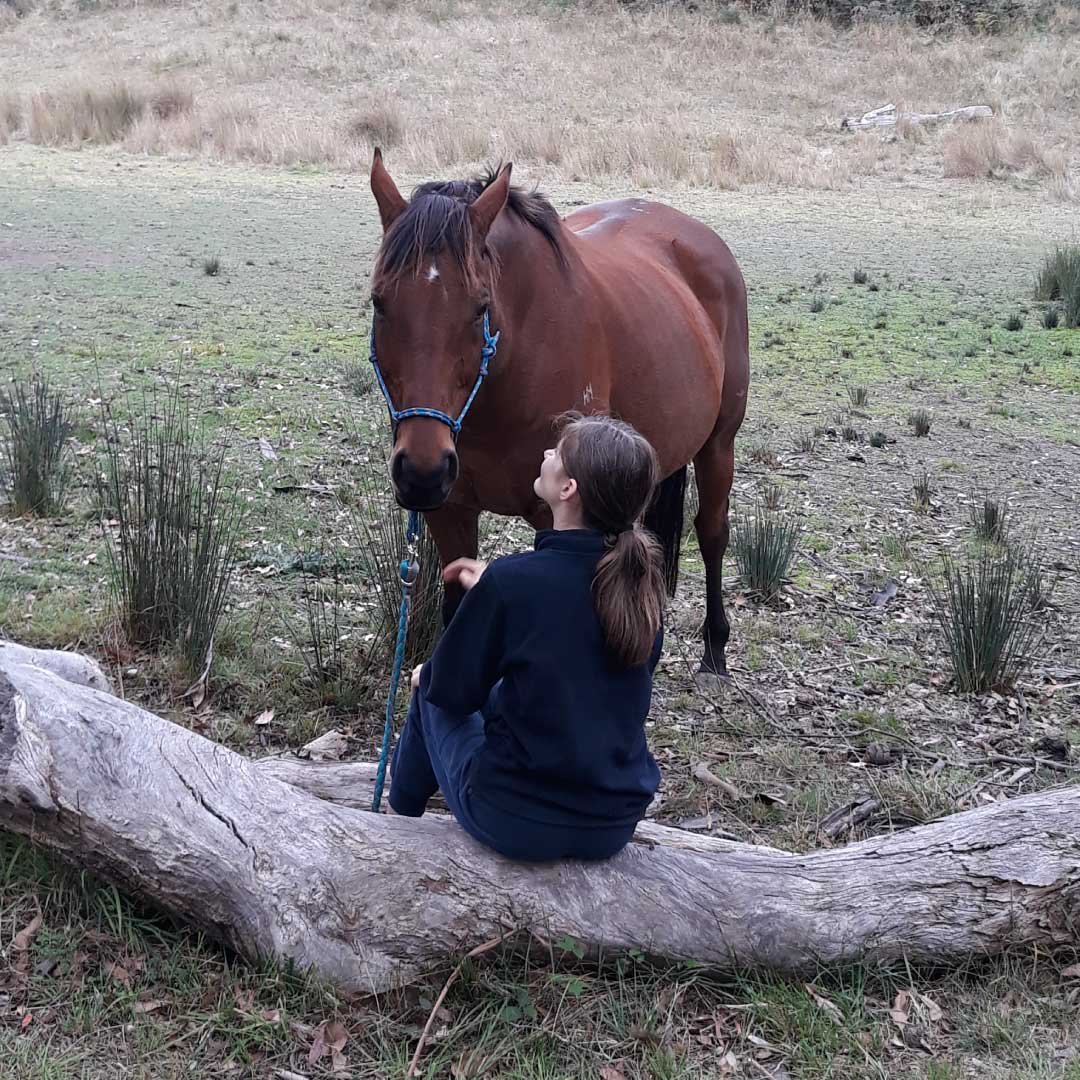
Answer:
(569, 489)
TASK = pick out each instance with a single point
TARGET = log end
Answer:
(25, 758)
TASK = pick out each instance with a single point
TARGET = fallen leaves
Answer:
(21, 947)
(330, 1038)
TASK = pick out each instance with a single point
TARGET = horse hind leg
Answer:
(664, 518)
(714, 470)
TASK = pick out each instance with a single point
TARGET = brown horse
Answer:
(626, 307)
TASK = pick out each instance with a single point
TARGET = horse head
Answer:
(431, 331)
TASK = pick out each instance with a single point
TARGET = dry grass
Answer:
(380, 125)
(10, 116)
(84, 111)
(989, 150)
(591, 91)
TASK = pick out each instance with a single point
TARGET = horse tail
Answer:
(665, 518)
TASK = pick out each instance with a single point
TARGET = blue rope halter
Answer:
(487, 354)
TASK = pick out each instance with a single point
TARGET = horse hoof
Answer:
(712, 682)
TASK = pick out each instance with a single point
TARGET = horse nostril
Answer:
(397, 468)
(450, 463)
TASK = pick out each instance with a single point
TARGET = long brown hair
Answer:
(617, 471)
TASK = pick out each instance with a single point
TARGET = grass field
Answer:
(900, 284)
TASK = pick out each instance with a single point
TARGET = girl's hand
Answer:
(414, 682)
(464, 572)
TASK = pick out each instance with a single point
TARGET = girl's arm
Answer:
(468, 661)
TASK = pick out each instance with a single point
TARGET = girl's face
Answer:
(553, 485)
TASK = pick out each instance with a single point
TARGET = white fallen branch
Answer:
(370, 901)
(888, 116)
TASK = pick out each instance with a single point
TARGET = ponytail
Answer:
(628, 593)
(617, 471)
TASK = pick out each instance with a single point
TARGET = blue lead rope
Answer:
(409, 571)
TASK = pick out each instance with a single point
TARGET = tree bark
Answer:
(371, 901)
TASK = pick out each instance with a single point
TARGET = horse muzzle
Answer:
(417, 488)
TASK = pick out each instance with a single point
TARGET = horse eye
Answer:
(377, 305)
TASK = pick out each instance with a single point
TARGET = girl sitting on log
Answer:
(530, 714)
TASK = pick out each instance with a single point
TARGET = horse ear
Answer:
(491, 200)
(391, 204)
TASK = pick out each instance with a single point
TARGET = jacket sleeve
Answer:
(469, 658)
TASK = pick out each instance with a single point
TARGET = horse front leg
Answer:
(456, 532)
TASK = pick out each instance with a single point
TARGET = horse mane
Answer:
(437, 220)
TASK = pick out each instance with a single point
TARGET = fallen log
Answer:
(371, 901)
(889, 116)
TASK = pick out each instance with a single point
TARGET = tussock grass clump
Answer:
(923, 488)
(772, 495)
(920, 421)
(211, 265)
(805, 441)
(859, 396)
(1058, 279)
(338, 653)
(989, 517)
(984, 607)
(35, 468)
(1014, 322)
(378, 536)
(764, 543)
(761, 453)
(380, 125)
(175, 524)
(359, 377)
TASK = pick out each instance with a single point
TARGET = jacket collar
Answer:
(582, 541)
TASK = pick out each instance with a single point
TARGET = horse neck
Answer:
(531, 280)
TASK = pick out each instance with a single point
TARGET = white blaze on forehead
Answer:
(433, 273)
(587, 395)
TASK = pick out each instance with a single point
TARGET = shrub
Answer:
(985, 609)
(764, 544)
(173, 549)
(36, 465)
